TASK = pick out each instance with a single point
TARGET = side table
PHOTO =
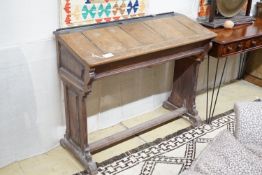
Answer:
(241, 39)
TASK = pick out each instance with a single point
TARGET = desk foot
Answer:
(84, 157)
(184, 88)
(195, 120)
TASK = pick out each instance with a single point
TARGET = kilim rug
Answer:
(170, 155)
(85, 12)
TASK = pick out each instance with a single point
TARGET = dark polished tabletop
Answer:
(246, 31)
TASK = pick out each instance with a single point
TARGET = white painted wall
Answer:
(31, 111)
(30, 108)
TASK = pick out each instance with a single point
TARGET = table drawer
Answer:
(241, 46)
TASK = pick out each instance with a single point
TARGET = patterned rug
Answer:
(168, 156)
(85, 12)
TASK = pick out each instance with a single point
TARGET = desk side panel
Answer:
(77, 79)
(73, 70)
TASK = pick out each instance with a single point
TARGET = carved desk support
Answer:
(185, 86)
(81, 61)
(77, 84)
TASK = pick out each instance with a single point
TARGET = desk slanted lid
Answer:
(110, 43)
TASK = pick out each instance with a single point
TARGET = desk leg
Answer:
(75, 139)
(184, 88)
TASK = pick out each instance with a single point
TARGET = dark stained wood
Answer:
(249, 6)
(241, 38)
(254, 80)
(213, 9)
(139, 129)
(184, 86)
(254, 67)
(134, 44)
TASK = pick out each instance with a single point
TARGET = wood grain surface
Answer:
(240, 39)
(238, 33)
(127, 40)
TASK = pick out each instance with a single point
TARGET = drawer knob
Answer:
(240, 46)
(229, 48)
(254, 43)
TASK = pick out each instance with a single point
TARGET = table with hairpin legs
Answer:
(239, 40)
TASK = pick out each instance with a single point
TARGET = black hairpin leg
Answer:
(208, 60)
(239, 66)
(213, 92)
(219, 86)
(242, 65)
(212, 108)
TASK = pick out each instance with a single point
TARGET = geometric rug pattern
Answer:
(168, 156)
(84, 12)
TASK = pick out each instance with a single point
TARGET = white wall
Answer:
(30, 108)
(31, 113)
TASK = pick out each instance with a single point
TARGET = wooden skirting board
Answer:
(253, 80)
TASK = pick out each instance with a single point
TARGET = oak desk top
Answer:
(99, 45)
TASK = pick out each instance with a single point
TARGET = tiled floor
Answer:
(60, 162)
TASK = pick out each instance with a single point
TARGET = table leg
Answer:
(184, 88)
(207, 88)
(212, 108)
(76, 140)
(242, 65)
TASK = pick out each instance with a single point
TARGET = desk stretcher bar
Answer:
(139, 129)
